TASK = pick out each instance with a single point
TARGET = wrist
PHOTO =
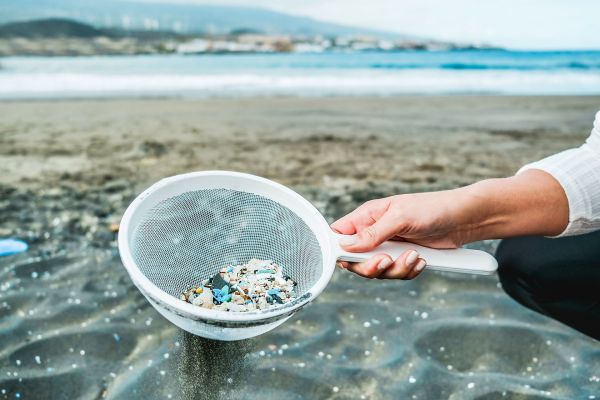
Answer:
(477, 217)
(487, 214)
(531, 203)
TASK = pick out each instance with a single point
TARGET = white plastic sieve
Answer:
(185, 228)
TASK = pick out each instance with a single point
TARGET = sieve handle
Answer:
(460, 260)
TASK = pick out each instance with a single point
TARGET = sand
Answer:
(440, 141)
(73, 326)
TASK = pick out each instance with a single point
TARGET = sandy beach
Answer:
(72, 325)
(406, 141)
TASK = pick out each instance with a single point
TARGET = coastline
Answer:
(306, 75)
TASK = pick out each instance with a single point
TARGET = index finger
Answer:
(363, 216)
(345, 225)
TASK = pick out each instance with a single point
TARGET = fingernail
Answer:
(420, 265)
(348, 240)
(384, 264)
(339, 265)
(412, 257)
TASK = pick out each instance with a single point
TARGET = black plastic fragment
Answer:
(218, 282)
(277, 298)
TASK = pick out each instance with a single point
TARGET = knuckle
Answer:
(405, 274)
(369, 203)
(403, 271)
(369, 235)
(368, 270)
(364, 207)
(396, 213)
(372, 272)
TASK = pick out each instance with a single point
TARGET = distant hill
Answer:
(181, 18)
(62, 28)
(49, 28)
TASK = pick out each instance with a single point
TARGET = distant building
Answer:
(308, 48)
(194, 46)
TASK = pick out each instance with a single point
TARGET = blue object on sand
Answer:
(12, 246)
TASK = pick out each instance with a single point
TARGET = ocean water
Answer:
(303, 74)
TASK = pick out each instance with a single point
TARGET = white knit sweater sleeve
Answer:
(578, 171)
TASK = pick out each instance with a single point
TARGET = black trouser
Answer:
(556, 277)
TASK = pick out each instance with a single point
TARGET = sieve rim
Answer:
(173, 304)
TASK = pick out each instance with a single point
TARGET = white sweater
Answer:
(578, 171)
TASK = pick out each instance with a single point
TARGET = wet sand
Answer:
(73, 326)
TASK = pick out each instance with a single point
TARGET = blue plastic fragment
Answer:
(12, 246)
(265, 271)
(273, 291)
(222, 295)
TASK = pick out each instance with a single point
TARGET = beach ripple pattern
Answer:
(73, 326)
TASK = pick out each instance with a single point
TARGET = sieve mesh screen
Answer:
(189, 237)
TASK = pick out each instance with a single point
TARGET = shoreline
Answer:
(286, 96)
(301, 74)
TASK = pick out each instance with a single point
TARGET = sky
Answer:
(522, 24)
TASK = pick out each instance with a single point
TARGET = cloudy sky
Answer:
(511, 23)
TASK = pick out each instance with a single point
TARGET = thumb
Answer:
(372, 236)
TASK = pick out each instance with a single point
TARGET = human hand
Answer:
(530, 203)
(434, 219)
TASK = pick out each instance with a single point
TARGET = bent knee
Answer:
(511, 258)
(520, 264)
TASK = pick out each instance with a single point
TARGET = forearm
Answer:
(531, 203)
